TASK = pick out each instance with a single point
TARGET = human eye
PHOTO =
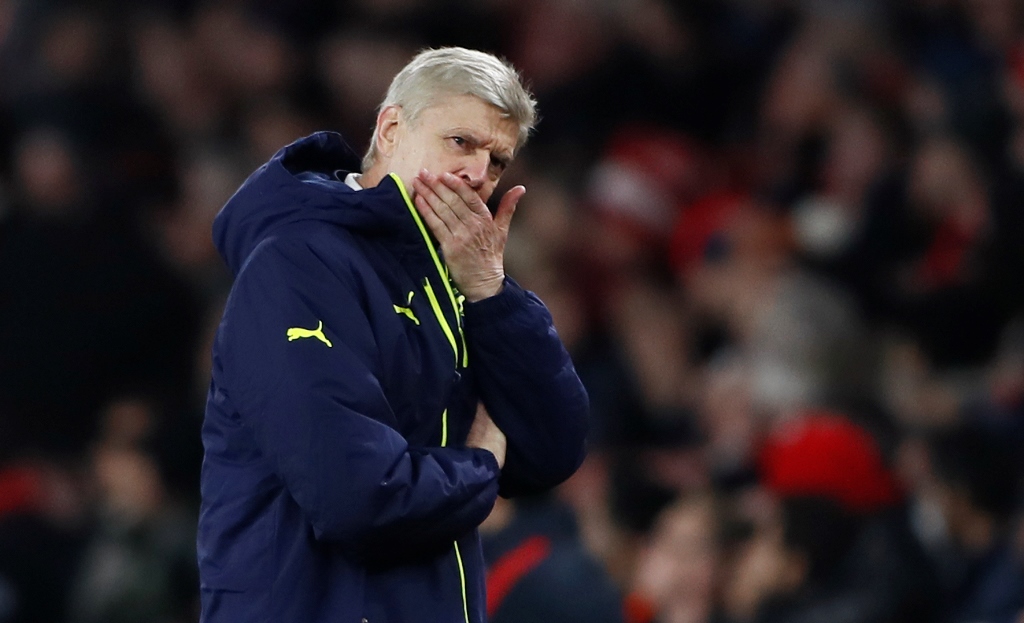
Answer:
(499, 162)
(458, 141)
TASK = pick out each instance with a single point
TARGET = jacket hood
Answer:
(305, 182)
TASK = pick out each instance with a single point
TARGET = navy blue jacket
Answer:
(346, 373)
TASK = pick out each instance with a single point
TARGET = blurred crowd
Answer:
(783, 240)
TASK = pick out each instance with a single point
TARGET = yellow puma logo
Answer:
(407, 310)
(298, 332)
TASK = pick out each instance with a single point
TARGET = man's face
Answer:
(461, 135)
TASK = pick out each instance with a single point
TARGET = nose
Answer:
(475, 169)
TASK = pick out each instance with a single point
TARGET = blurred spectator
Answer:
(247, 56)
(834, 225)
(561, 48)
(1000, 408)
(832, 543)
(952, 293)
(357, 68)
(172, 80)
(138, 564)
(978, 475)
(800, 337)
(269, 124)
(100, 303)
(730, 426)
(678, 575)
(43, 531)
(207, 179)
(535, 562)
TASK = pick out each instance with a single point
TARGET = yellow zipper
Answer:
(462, 578)
(441, 271)
(441, 320)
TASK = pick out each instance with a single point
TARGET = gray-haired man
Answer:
(369, 339)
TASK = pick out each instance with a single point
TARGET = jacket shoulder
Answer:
(310, 245)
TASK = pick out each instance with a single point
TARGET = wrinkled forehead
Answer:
(469, 113)
(462, 107)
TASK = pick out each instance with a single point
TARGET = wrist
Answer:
(510, 301)
(491, 287)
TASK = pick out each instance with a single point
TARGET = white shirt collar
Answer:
(352, 181)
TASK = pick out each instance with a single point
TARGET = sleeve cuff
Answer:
(490, 460)
(498, 307)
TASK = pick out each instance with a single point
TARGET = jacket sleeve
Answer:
(319, 416)
(530, 388)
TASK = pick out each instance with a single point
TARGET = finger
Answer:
(437, 226)
(436, 204)
(507, 207)
(465, 193)
(455, 202)
(452, 201)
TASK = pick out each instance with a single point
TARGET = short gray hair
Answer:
(437, 73)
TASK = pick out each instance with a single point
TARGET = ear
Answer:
(388, 122)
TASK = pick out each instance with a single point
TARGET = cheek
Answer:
(436, 159)
(416, 155)
(411, 159)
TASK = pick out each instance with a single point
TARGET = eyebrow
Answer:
(500, 156)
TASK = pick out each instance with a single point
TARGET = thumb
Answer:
(507, 206)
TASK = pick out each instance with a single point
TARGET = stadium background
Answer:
(752, 219)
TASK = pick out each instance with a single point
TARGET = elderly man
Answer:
(377, 378)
